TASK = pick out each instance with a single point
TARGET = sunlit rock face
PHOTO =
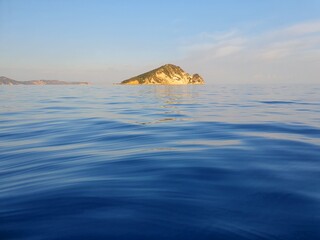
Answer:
(168, 74)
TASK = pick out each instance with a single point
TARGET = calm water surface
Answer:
(160, 162)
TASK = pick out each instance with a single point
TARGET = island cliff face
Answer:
(168, 74)
(8, 81)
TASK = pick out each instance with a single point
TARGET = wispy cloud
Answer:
(286, 54)
(218, 44)
(303, 28)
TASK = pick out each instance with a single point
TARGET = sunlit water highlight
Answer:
(160, 162)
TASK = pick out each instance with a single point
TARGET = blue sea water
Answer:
(160, 162)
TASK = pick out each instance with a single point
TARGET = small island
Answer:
(168, 74)
(8, 81)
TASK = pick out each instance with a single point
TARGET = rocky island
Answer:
(8, 81)
(168, 74)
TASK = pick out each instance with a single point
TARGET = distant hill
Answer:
(8, 81)
(168, 74)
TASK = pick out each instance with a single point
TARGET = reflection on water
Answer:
(166, 102)
(159, 162)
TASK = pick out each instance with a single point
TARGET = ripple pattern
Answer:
(160, 162)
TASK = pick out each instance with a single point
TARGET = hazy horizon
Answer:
(105, 42)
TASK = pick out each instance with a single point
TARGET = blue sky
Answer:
(231, 41)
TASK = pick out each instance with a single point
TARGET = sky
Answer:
(107, 41)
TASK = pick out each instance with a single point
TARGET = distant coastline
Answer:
(9, 81)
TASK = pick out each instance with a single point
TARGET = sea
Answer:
(196, 162)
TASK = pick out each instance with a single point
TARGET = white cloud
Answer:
(304, 28)
(224, 51)
(286, 55)
(218, 44)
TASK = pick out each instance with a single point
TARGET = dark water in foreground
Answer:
(188, 162)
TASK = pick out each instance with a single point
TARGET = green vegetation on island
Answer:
(168, 74)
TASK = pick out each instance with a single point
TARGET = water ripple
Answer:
(159, 162)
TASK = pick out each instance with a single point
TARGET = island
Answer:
(8, 81)
(168, 74)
